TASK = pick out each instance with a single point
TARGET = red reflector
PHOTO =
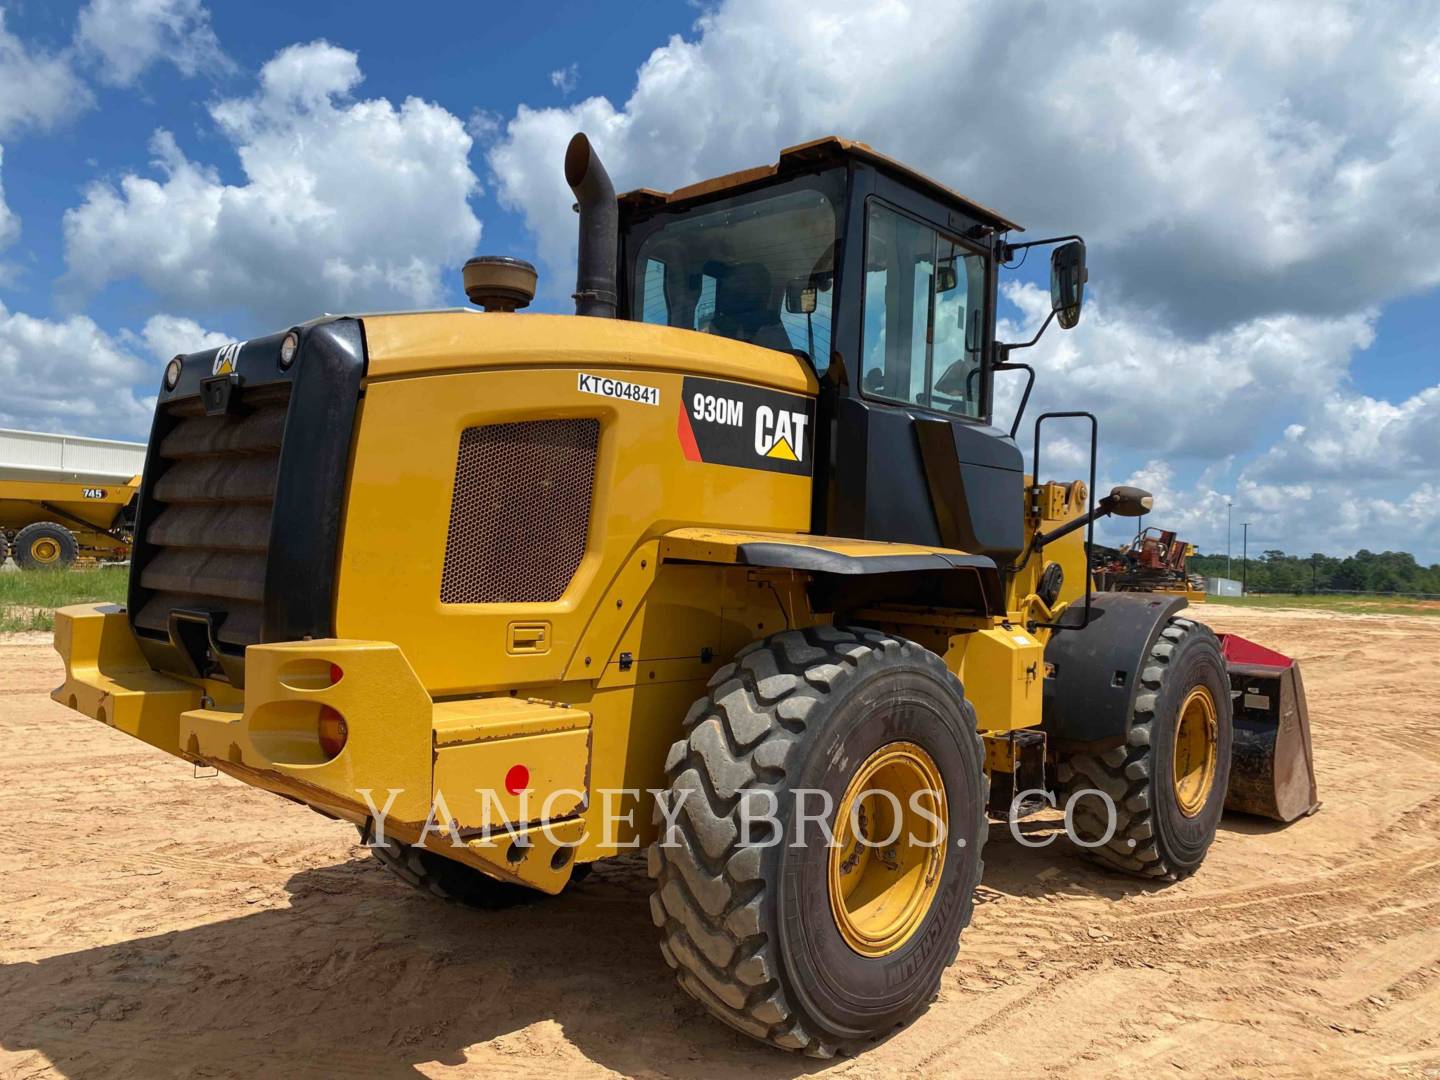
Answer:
(336, 674)
(333, 731)
(517, 779)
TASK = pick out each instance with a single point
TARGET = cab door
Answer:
(913, 456)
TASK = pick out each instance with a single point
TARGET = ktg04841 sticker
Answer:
(726, 423)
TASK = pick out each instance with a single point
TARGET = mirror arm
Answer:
(1104, 508)
(1007, 346)
(1007, 251)
(1114, 503)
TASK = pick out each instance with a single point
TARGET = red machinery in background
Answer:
(1153, 562)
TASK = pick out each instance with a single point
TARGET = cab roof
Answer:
(829, 150)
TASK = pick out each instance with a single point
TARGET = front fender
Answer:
(1095, 671)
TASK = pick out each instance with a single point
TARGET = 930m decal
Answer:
(604, 386)
(726, 423)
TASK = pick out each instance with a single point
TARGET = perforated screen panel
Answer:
(520, 512)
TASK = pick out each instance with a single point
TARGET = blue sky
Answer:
(1405, 358)
(1264, 238)
(443, 52)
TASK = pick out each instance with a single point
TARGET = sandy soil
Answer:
(157, 924)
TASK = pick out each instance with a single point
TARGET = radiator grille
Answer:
(207, 523)
(520, 511)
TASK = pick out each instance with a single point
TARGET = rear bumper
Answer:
(402, 748)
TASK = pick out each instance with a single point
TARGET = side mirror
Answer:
(1127, 501)
(801, 296)
(945, 277)
(1067, 282)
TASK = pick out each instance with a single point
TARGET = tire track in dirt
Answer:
(203, 864)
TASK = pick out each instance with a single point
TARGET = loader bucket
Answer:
(1272, 766)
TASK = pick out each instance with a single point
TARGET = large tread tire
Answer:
(45, 530)
(726, 910)
(1152, 838)
(446, 879)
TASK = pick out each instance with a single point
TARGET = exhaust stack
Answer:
(599, 229)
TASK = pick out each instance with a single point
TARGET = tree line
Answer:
(1365, 571)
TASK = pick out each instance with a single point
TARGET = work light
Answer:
(288, 348)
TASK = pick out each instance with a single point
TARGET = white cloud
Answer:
(1328, 516)
(9, 222)
(1158, 392)
(69, 375)
(1355, 437)
(38, 90)
(565, 79)
(1225, 160)
(346, 203)
(124, 37)
(484, 125)
(165, 336)
(1266, 406)
(1191, 511)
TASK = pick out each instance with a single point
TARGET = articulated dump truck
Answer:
(66, 497)
(50, 524)
(734, 566)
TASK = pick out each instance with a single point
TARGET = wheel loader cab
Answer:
(884, 283)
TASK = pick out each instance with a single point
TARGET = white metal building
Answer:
(1219, 586)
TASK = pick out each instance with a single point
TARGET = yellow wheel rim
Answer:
(1195, 751)
(881, 892)
(45, 550)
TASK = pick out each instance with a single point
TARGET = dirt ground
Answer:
(157, 924)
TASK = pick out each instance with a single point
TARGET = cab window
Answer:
(924, 316)
(758, 267)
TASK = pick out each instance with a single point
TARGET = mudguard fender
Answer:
(1094, 670)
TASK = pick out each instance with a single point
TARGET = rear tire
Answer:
(753, 931)
(45, 546)
(1163, 826)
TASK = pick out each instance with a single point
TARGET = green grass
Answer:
(28, 599)
(1372, 604)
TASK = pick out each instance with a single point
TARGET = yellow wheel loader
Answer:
(733, 565)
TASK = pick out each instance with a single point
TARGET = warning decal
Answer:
(726, 423)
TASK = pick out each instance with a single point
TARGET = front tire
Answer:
(782, 941)
(1168, 781)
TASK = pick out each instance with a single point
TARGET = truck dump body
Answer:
(46, 456)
